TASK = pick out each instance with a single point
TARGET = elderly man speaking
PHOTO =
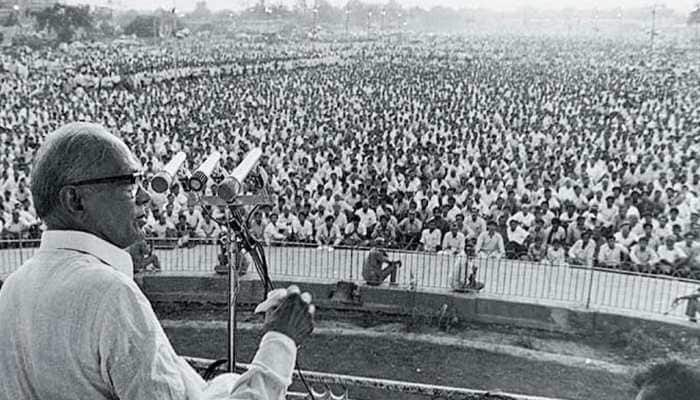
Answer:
(74, 325)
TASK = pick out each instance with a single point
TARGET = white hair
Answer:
(71, 153)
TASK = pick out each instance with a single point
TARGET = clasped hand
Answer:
(290, 312)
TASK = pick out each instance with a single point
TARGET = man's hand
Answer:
(292, 316)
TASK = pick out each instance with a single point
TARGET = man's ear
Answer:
(71, 200)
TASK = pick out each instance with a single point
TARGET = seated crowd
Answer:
(562, 152)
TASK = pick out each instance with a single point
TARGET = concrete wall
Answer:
(401, 302)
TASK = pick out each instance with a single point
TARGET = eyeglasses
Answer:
(135, 180)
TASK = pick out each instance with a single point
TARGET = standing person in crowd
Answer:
(73, 311)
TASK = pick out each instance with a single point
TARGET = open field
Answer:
(420, 362)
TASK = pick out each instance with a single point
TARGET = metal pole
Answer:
(21, 252)
(233, 289)
(590, 289)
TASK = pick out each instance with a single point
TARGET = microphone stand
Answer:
(232, 257)
(233, 254)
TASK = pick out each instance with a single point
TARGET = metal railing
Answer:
(571, 286)
(384, 385)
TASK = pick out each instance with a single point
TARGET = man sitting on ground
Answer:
(143, 256)
(373, 272)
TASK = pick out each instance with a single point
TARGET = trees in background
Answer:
(143, 26)
(694, 17)
(64, 21)
(12, 19)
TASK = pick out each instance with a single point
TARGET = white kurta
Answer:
(74, 325)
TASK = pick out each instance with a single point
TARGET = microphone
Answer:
(201, 175)
(163, 179)
(232, 186)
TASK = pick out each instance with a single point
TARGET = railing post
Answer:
(590, 289)
(21, 256)
(352, 259)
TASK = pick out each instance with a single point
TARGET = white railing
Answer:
(517, 280)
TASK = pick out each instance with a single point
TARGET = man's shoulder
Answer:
(80, 273)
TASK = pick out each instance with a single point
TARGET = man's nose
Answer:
(142, 196)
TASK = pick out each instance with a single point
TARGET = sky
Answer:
(682, 6)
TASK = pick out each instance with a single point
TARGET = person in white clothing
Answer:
(524, 217)
(625, 236)
(431, 237)
(644, 258)
(583, 251)
(556, 254)
(454, 241)
(208, 228)
(489, 244)
(368, 217)
(272, 232)
(302, 230)
(612, 254)
(516, 237)
(286, 221)
(74, 324)
(671, 258)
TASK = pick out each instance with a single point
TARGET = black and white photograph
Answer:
(349, 199)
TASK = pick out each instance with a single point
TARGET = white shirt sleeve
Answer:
(139, 361)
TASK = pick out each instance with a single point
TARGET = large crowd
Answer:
(562, 151)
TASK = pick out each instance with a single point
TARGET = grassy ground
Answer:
(626, 347)
(421, 362)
